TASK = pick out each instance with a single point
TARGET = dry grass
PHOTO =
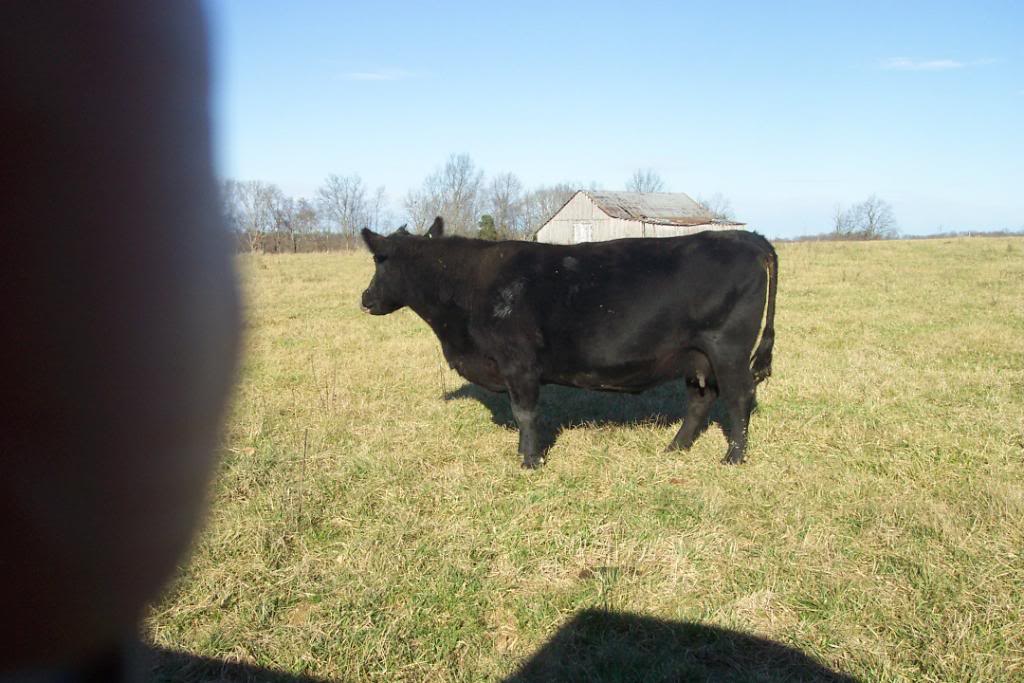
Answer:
(365, 528)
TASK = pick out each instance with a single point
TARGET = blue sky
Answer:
(787, 109)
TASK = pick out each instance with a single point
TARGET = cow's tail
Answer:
(761, 359)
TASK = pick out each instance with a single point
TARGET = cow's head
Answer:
(388, 288)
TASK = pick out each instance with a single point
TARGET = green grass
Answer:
(365, 528)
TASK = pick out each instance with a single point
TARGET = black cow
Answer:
(623, 315)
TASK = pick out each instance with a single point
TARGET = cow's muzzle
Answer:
(368, 304)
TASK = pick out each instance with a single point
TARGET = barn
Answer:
(595, 216)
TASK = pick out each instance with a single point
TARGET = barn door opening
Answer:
(582, 232)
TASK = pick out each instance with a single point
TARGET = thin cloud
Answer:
(379, 75)
(906, 64)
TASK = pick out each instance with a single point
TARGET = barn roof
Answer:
(664, 208)
(657, 208)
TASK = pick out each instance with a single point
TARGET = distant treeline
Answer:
(489, 207)
(267, 219)
(839, 237)
(264, 218)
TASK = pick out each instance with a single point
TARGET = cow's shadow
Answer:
(600, 645)
(564, 408)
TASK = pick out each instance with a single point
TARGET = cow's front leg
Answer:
(524, 393)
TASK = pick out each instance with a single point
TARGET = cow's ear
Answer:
(377, 244)
(437, 229)
(401, 230)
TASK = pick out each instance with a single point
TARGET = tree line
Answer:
(265, 218)
(260, 213)
(499, 207)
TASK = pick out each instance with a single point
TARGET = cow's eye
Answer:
(377, 258)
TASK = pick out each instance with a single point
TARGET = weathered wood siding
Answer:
(581, 211)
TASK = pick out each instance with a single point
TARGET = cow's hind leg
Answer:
(700, 396)
(524, 394)
(736, 388)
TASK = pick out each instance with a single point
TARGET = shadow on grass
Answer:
(607, 646)
(564, 408)
(166, 666)
(596, 645)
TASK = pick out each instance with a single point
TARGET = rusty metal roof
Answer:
(663, 208)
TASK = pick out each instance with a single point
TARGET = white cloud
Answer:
(906, 64)
(379, 75)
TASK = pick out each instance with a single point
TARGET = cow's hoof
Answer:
(734, 459)
(532, 462)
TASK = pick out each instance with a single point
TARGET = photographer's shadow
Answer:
(602, 646)
(163, 665)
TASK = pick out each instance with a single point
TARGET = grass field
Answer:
(370, 520)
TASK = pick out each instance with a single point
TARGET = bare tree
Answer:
(306, 219)
(543, 202)
(871, 219)
(343, 205)
(453, 192)
(645, 180)
(229, 203)
(249, 206)
(282, 211)
(505, 200)
(718, 205)
(293, 217)
(378, 215)
(840, 220)
(461, 183)
(420, 207)
(877, 218)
